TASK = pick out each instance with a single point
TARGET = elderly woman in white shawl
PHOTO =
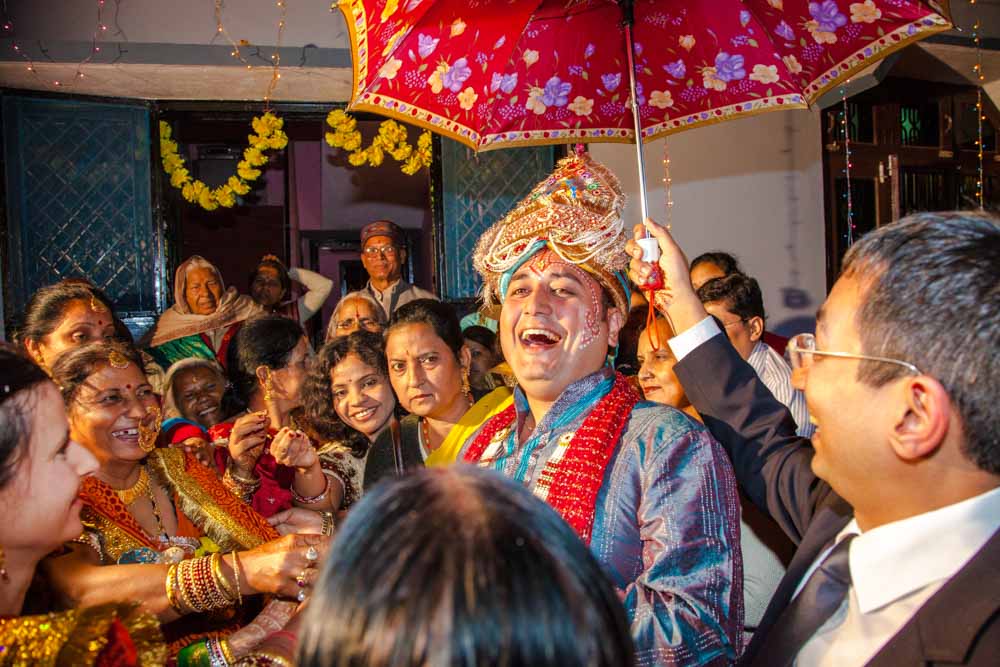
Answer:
(203, 319)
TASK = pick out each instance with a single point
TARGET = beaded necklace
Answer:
(573, 476)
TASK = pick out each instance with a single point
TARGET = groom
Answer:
(644, 485)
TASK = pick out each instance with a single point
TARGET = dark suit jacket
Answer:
(960, 624)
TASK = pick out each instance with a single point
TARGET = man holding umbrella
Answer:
(644, 485)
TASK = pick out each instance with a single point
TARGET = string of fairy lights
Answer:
(667, 183)
(99, 35)
(977, 70)
(846, 130)
(239, 47)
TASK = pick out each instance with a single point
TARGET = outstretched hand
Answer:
(677, 298)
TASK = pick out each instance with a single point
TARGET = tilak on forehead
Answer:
(576, 213)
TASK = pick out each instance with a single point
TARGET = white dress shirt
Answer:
(770, 367)
(895, 568)
(777, 376)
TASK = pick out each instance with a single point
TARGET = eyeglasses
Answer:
(726, 325)
(802, 348)
(365, 323)
(384, 250)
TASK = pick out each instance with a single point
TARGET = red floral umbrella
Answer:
(499, 73)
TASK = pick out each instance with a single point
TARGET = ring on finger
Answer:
(312, 555)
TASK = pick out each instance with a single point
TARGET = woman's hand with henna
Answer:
(247, 440)
(297, 520)
(294, 449)
(273, 567)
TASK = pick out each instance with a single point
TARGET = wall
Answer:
(752, 187)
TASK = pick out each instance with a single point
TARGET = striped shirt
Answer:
(777, 376)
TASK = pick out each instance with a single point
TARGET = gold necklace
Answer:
(140, 488)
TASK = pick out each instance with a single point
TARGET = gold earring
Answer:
(149, 434)
(466, 389)
(268, 387)
(3, 568)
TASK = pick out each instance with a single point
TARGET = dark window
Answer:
(918, 124)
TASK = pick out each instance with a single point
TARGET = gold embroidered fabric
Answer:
(77, 637)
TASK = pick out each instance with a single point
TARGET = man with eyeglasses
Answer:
(736, 302)
(383, 256)
(895, 505)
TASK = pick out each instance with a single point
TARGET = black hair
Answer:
(438, 315)
(481, 335)
(321, 421)
(267, 340)
(739, 292)
(725, 261)
(47, 306)
(72, 368)
(931, 298)
(460, 566)
(18, 376)
(283, 277)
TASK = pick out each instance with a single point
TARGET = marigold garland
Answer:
(267, 136)
(391, 139)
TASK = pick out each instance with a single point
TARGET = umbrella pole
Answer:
(628, 22)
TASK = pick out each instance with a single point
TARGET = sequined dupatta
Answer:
(109, 635)
(204, 507)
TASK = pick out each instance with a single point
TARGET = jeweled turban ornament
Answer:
(577, 212)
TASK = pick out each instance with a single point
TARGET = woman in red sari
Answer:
(40, 473)
(159, 527)
(261, 454)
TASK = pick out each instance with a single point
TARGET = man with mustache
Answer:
(644, 485)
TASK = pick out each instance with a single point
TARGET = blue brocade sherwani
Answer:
(666, 526)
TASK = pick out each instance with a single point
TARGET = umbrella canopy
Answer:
(499, 73)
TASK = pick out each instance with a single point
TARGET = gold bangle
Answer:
(170, 585)
(227, 651)
(236, 576)
(220, 580)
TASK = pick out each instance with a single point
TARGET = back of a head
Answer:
(461, 567)
(931, 297)
(740, 293)
(725, 261)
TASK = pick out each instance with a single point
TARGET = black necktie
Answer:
(822, 595)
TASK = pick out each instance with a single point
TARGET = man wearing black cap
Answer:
(383, 255)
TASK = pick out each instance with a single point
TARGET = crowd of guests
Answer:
(420, 489)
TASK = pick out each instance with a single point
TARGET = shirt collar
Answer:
(571, 395)
(894, 560)
(399, 284)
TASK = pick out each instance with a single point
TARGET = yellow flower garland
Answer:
(391, 139)
(267, 136)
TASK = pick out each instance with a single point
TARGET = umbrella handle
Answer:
(627, 22)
